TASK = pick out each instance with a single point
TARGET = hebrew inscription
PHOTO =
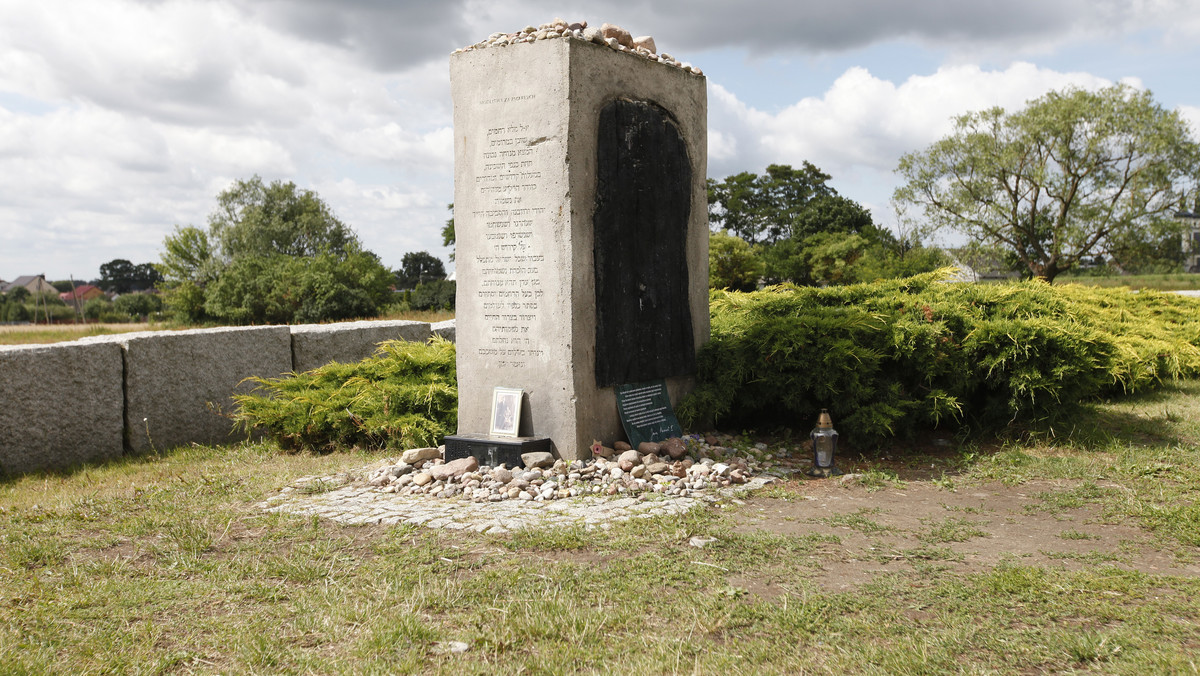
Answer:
(508, 172)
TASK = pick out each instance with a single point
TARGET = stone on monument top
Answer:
(607, 34)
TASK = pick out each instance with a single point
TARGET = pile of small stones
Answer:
(607, 34)
(676, 467)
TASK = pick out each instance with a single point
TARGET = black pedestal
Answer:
(492, 451)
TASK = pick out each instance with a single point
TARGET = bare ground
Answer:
(966, 530)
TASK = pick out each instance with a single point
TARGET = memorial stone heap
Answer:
(607, 34)
(674, 467)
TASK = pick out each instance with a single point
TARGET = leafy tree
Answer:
(271, 254)
(62, 285)
(121, 276)
(418, 267)
(18, 294)
(188, 257)
(732, 263)
(255, 219)
(1074, 174)
(279, 289)
(765, 208)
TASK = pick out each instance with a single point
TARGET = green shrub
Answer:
(892, 355)
(437, 294)
(404, 396)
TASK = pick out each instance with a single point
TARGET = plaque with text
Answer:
(646, 413)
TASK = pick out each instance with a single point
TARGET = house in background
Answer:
(82, 293)
(34, 283)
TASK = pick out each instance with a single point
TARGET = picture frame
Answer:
(506, 411)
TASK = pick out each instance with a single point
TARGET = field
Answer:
(29, 334)
(1072, 550)
(1179, 281)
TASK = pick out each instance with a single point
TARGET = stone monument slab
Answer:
(581, 252)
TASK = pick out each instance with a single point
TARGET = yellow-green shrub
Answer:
(404, 396)
(891, 355)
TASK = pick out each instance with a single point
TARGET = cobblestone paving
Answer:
(347, 499)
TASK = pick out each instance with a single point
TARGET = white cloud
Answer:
(858, 129)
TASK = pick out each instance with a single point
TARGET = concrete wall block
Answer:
(62, 405)
(178, 383)
(315, 345)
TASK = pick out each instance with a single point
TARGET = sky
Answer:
(122, 119)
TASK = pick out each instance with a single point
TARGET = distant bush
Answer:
(92, 309)
(892, 355)
(138, 305)
(437, 294)
(405, 396)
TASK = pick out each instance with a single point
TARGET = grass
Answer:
(1177, 281)
(32, 334)
(36, 334)
(164, 564)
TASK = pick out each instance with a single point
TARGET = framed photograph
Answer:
(506, 411)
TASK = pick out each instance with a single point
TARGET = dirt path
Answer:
(967, 530)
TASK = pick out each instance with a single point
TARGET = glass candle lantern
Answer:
(824, 441)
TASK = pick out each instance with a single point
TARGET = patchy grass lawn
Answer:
(1076, 551)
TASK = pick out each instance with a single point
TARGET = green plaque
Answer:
(646, 413)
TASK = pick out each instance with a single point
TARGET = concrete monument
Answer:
(582, 228)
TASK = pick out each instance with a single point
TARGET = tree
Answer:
(188, 257)
(1073, 174)
(271, 254)
(732, 263)
(121, 276)
(765, 208)
(418, 267)
(254, 219)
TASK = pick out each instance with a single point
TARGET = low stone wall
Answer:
(97, 398)
(315, 345)
(60, 405)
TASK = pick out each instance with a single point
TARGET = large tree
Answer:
(765, 208)
(122, 276)
(272, 253)
(1075, 173)
(418, 267)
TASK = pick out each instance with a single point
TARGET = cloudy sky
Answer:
(120, 119)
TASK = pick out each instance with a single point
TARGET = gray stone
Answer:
(62, 405)
(454, 468)
(537, 459)
(444, 330)
(528, 300)
(315, 345)
(658, 468)
(416, 455)
(179, 385)
(631, 457)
